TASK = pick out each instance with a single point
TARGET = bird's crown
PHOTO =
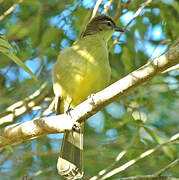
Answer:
(100, 23)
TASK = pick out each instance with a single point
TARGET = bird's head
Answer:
(101, 24)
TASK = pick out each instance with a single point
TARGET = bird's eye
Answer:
(109, 24)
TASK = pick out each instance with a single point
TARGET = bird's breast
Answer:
(81, 70)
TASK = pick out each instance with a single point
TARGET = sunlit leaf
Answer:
(7, 49)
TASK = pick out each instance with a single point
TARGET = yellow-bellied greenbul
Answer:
(81, 70)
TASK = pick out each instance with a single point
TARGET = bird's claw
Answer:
(90, 97)
(76, 126)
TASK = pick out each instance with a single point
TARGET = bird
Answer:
(81, 70)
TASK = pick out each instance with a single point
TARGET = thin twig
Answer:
(85, 21)
(49, 110)
(102, 172)
(143, 155)
(119, 11)
(156, 176)
(10, 10)
(96, 8)
(135, 16)
(147, 177)
(39, 172)
(107, 6)
(18, 104)
(93, 14)
(161, 171)
(173, 68)
(21, 107)
(117, 158)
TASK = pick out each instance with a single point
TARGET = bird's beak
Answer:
(117, 28)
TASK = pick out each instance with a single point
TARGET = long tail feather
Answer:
(70, 161)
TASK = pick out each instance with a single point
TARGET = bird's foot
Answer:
(76, 126)
(69, 108)
(91, 99)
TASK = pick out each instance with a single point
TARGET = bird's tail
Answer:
(70, 161)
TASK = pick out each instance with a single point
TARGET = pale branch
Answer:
(84, 23)
(96, 8)
(147, 177)
(119, 156)
(39, 172)
(129, 5)
(32, 129)
(104, 171)
(50, 109)
(87, 17)
(21, 107)
(141, 156)
(27, 99)
(163, 170)
(60, 123)
(173, 68)
(134, 17)
(10, 10)
(107, 6)
(121, 87)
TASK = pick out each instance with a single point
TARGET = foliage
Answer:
(146, 117)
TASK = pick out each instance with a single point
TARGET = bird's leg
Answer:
(76, 125)
(91, 99)
(69, 108)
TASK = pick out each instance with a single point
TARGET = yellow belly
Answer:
(79, 72)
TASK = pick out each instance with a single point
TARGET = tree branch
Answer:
(107, 6)
(141, 156)
(60, 123)
(10, 10)
(161, 171)
(147, 177)
(21, 107)
(137, 13)
(96, 8)
(32, 129)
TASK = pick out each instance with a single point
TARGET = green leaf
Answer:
(9, 148)
(17, 31)
(169, 150)
(4, 42)
(7, 50)
(51, 35)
